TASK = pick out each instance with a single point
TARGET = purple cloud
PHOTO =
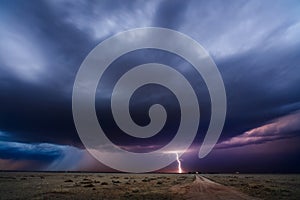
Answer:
(283, 127)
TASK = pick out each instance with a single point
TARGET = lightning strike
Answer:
(179, 163)
(177, 152)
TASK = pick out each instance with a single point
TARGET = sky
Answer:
(255, 45)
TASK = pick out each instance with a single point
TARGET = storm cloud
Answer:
(255, 44)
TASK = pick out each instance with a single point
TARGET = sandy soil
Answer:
(22, 185)
(203, 188)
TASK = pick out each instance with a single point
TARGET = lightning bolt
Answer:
(179, 163)
(177, 159)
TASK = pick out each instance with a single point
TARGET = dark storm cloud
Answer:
(42, 156)
(20, 151)
(260, 86)
(257, 56)
(43, 45)
(278, 156)
(56, 46)
(37, 73)
(170, 14)
(255, 45)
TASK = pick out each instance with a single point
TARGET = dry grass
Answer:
(264, 186)
(21, 185)
(90, 186)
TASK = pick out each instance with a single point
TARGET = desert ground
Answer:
(263, 186)
(34, 185)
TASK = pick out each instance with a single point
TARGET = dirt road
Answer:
(203, 188)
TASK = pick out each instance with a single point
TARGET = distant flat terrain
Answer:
(90, 186)
(25, 185)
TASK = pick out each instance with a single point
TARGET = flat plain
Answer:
(38, 185)
(264, 186)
